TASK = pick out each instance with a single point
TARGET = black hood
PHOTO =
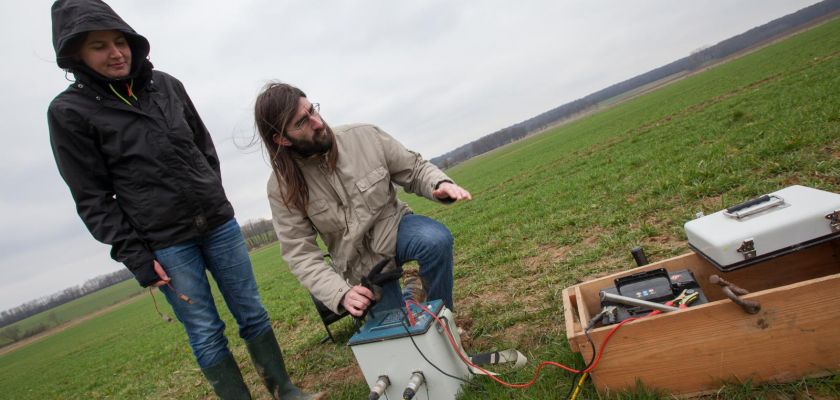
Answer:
(71, 19)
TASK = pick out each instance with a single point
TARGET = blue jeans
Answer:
(430, 243)
(223, 253)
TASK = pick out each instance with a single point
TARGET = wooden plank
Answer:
(796, 334)
(584, 315)
(570, 314)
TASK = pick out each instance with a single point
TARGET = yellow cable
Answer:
(118, 95)
(130, 91)
(579, 386)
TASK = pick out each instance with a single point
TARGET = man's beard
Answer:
(321, 142)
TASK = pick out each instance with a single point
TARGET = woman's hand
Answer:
(164, 279)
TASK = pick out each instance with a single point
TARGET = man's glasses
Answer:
(312, 113)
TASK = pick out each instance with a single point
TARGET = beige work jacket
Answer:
(354, 209)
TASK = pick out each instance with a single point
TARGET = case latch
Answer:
(834, 220)
(747, 249)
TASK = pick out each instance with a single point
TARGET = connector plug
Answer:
(414, 383)
(608, 310)
(381, 384)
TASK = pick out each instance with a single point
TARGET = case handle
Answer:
(766, 202)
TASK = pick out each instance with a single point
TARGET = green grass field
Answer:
(75, 309)
(548, 212)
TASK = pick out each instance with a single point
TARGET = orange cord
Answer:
(410, 314)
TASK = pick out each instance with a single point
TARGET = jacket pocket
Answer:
(375, 189)
(325, 216)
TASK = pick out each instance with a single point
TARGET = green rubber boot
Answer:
(268, 361)
(226, 380)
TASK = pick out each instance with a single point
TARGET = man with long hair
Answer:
(339, 185)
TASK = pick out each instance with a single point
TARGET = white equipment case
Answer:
(766, 227)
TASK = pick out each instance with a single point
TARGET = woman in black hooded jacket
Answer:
(145, 177)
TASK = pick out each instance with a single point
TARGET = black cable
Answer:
(594, 350)
(572, 388)
(591, 325)
(478, 387)
(585, 367)
(405, 316)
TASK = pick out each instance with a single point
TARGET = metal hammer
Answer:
(732, 291)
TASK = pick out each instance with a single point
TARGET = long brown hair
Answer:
(275, 106)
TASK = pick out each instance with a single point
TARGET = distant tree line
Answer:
(258, 233)
(14, 333)
(695, 61)
(42, 304)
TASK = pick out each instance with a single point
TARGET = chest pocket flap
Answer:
(324, 219)
(375, 189)
(372, 178)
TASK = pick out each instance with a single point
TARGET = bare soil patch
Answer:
(547, 255)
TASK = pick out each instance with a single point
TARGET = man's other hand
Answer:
(357, 300)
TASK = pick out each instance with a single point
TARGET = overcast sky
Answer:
(435, 74)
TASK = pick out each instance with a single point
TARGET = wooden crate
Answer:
(693, 351)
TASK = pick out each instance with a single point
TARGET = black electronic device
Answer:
(653, 285)
(658, 285)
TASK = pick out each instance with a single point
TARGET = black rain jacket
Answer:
(144, 176)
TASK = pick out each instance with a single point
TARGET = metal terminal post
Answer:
(640, 257)
(414, 383)
(607, 312)
(379, 388)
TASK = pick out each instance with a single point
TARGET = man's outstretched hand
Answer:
(448, 190)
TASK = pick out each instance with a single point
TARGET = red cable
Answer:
(606, 339)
